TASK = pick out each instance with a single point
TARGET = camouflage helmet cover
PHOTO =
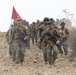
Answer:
(62, 24)
(46, 19)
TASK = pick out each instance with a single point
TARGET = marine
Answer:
(49, 44)
(17, 42)
(63, 31)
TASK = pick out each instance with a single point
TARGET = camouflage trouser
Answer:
(50, 53)
(60, 49)
(34, 38)
(27, 43)
(64, 46)
(18, 49)
(10, 50)
(40, 46)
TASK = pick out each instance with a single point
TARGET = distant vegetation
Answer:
(72, 40)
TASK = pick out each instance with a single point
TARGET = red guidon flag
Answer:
(15, 15)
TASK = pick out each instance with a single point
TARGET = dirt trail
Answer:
(34, 64)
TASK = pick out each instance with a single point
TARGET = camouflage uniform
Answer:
(8, 38)
(18, 43)
(34, 33)
(18, 49)
(49, 45)
(41, 30)
(28, 38)
(65, 34)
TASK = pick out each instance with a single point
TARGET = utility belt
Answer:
(48, 42)
(20, 39)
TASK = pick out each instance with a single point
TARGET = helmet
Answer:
(18, 19)
(62, 24)
(51, 19)
(46, 19)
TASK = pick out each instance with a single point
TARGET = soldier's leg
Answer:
(10, 50)
(17, 58)
(49, 54)
(28, 44)
(13, 54)
(55, 49)
(36, 38)
(60, 49)
(40, 46)
(22, 53)
(32, 40)
(54, 57)
(65, 47)
(13, 51)
(45, 54)
(50, 58)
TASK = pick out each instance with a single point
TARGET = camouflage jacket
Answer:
(50, 36)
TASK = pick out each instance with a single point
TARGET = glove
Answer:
(57, 42)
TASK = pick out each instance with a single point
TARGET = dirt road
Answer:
(34, 64)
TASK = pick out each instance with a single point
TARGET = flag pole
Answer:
(11, 21)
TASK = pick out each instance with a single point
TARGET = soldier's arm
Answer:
(12, 35)
(7, 37)
(56, 33)
(59, 37)
(67, 33)
(26, 37)
(25, 32)
(43, 36)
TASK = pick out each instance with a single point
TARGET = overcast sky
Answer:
(31, 10)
